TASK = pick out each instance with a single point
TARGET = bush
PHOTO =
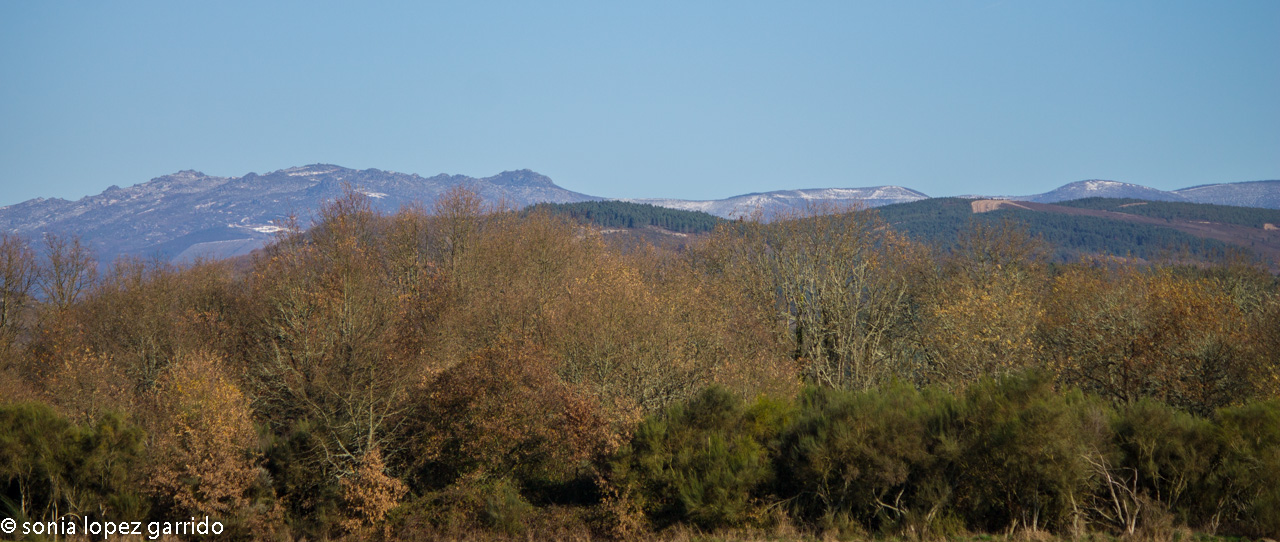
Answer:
(471, 504)
(310, 496)
(703, 463)
(1173, 454)
(49, 466)
(1022, 459)
(504, 413)
(1249, 482)
(867, 457)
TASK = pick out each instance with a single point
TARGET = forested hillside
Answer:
(621, 214)
(1252, 217)
(455, 373)
(938, 222)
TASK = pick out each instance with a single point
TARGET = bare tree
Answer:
(69, 271)
(329, 348)
(17, 277)
(840, 291)
(458, 211)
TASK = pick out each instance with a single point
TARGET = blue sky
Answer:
(645, 99)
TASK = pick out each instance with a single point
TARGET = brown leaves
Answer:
(979, 312)
(204, 445)
(370, 493)
(504, 412)
(1127, 333)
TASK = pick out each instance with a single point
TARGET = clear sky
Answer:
(685, 99)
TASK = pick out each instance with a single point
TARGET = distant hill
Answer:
(189, 214)
(1074, 231)
(1263, 194)
(1102, 189)
(1252, 217)
(770, 204)
(1248, 194)
(622, 214)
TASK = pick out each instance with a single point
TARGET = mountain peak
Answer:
(1101, 188)
(311, 170)
(1099, 184)
(521, 177)
(184, 175)
(188, 213)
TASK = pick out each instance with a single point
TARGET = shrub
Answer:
(470, 504)
(369, 493)
(1022, 459)
(702, 462)
(48, 465)
(1174, 456)
(865, 457)
(504, 413)
(1249, 483)
(310, 495)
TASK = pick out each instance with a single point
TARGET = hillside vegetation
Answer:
(939, 221)
(458, 373)
(622, 214)
(1252, 217)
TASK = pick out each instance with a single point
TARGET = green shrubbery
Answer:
(865, 457)
(1248, 481)
(50, 467)
(1173, 455)
(702, 463)
(1022, 453)
(1003, 455)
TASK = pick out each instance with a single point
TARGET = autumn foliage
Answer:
(461, 371)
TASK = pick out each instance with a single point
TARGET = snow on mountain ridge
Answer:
(1099, 185)
(1100, 188)
(174, 214)
(189, 212)
(783, 201)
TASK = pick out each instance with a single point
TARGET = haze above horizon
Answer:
(652, 100)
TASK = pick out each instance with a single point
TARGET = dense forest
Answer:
(621, 214)
(461, 373)
(1252, 217)
(939, 221)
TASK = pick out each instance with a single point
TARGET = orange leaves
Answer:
(204, 457)
(980, 310)
(86, 384)
(504, 412)
(981, 329)
(1139, 333)
(370, 493)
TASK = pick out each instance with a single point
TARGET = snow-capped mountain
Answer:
(782, 201)
(1102, 189)
(1264, 194)
(189, 214)
(1249, 194)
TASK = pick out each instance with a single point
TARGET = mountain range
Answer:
(188, 214)
(783, 201)
(1264, 194)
